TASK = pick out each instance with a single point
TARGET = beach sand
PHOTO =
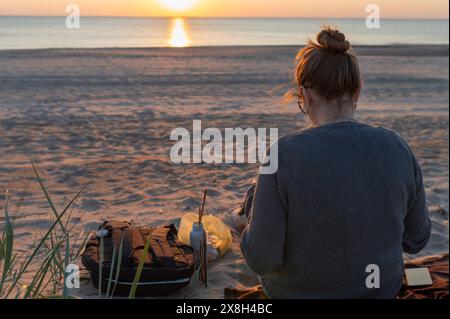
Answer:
(107, 114)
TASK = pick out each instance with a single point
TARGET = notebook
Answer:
(418, 277)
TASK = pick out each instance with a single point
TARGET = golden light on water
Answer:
(179, 37)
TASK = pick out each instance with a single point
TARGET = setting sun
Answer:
(178, 5)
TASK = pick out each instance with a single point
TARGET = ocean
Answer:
(106, 32)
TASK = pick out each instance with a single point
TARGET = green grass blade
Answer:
(49, 200)
(21, 292)
(119, 265)
(82, 246)
(39, 293)
(100, 267)
(2, 247)
(8, 245)
(137, 276)
(42, 271)
(111, 270)
(38, 247)
(37, 289)
(65, 292)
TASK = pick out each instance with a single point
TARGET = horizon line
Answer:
(215, 17)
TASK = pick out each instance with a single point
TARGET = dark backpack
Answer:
(169, 263)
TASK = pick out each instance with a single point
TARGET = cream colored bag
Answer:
(219, 234)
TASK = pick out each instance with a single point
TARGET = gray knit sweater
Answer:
(346, 195)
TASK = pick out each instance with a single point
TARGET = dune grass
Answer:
(49, 254)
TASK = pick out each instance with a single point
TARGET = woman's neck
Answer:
(327, 114)
(337, 120)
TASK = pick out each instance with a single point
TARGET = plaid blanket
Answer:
(437, 265)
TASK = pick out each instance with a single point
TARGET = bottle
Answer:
(196, 238)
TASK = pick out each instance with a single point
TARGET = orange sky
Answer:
(426, 9)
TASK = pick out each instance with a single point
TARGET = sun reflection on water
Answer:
(179, 37)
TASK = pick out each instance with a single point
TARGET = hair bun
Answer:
(332, 40)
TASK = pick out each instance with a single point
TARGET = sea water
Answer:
(102, 32)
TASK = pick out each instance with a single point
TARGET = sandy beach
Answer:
(106, 115)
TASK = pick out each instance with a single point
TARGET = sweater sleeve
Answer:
(262, 241)
(417, 221)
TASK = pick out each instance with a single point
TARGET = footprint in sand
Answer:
(213, 193)
(91, 205)
(132, 198)
(189, 203)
